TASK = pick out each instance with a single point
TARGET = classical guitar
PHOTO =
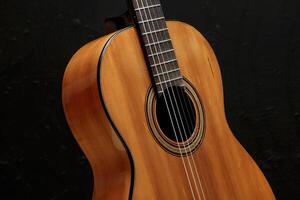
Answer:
(145, 104)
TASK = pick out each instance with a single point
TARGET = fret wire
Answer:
(155, 12)
(159, 42)
(162, 45)
(151, 20)
(147, 7)
(162, 35)
(163, 63)
(158, 69)
(165, 45)
(158, 53)
(160, 24)
(168, 81)
(158, 58)
(167, 72)
(155, 23)
(156, 31)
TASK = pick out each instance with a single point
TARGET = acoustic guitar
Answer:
(145, 104)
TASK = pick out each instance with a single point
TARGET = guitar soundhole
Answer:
(176, 119)
(176, 114)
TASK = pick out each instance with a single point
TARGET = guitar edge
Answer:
(86, 116)
(108, 151)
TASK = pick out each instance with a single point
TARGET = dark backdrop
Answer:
(256, 41)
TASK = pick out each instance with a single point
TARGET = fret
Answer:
(162, 58)
(151, 38)
(163, 63)
(155, 31)
(162, 87)
(158, 53)
(152, 26)
(163, 68)
(149, 13)
(151, 20)
(162, 50)
(159, 42)
(156, 41)
(169, 81)
(167, 72)
(147, 7)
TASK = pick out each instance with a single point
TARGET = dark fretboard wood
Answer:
(158, 46)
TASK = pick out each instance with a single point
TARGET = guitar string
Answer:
(188, 127)
(183, 126)
(189, 122)
(189, 107)
(164, 95)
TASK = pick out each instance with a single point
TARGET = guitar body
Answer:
(105, 95)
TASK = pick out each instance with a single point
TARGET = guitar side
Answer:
(90, 126)
(104, 96)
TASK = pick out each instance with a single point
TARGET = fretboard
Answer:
(158, 46)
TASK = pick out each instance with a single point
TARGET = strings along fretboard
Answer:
(157, 43)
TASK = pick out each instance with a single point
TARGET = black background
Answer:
(257, 44)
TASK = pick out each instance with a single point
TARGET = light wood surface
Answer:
(225, 169)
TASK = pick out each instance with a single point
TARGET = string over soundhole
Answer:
(176, 119)
(176, 114)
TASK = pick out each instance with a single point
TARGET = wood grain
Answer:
(225, 169)
(91, 128)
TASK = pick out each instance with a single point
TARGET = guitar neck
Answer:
(155, 40)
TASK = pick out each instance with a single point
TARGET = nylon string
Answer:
(163, 93)
(189, 122)
(181, 128)
(179, 116)
(194, 166)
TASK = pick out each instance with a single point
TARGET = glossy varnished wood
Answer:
(225, 169)
(90, 126)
